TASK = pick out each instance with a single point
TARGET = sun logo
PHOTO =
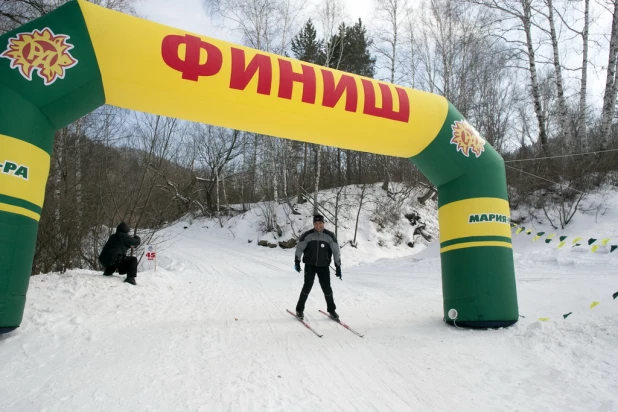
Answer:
(42, 51)
(467, 139)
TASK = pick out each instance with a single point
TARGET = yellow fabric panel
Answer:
(455, 218)
(134, 58)
(36, 163)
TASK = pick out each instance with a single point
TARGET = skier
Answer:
(318, 246)
(113, 256)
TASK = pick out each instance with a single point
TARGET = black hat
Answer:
(123, 227)
(318, 218)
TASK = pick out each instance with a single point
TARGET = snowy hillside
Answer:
(383, 230)
(208, 331)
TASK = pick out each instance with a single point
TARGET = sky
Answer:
(191, 15)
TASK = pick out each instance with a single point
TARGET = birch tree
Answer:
(390, 17)
(611, 85)
(515, 19)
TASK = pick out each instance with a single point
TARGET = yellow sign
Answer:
(24, 170)
(158, 69)
(456, 219)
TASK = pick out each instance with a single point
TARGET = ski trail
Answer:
(208, 331)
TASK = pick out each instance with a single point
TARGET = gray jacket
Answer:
(318, 248)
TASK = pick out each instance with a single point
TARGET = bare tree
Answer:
(390, 16)
(563, 114)
(330, 15)
(611, 85)
(216, 148)
(264, 24)
(516, 21)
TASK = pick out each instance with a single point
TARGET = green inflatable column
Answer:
(478, 275)
(48, 78)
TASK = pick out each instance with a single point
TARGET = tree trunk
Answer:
(582, 119)
(609, 99)
(536, 96)
(360, 207)
(427, 195)
(562, 107)
(303, 176)
(317, 179)
(273, 158)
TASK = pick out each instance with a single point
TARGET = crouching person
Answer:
(114, 254)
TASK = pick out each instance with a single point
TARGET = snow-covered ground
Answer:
(208, 332)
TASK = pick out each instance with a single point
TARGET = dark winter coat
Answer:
(318, 248)
(117, 245)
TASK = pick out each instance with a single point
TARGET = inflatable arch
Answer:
(81, 56)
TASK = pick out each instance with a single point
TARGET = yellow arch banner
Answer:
(149, 67)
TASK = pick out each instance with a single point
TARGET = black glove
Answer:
(297, 265)
(338, 272)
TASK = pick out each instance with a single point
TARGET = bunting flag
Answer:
(538, 236)
(595, 246)
(593, 305)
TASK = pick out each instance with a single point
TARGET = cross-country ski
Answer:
(305, 323)
(342, 324)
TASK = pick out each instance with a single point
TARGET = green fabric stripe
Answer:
(457, 176)
(10, 200)
(475, 239)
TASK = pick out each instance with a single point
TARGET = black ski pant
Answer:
(324, 278)
(125, 265)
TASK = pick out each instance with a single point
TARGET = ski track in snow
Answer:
(91, 343)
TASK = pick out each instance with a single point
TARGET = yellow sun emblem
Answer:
(467, 138)
(42, 51)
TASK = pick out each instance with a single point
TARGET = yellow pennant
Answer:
(544, 319)
(519, 231)
(561, 244)
(594, 304)
(577, 239)
(605, 241)
(529, 231)
(537, 237)
(595, 248)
